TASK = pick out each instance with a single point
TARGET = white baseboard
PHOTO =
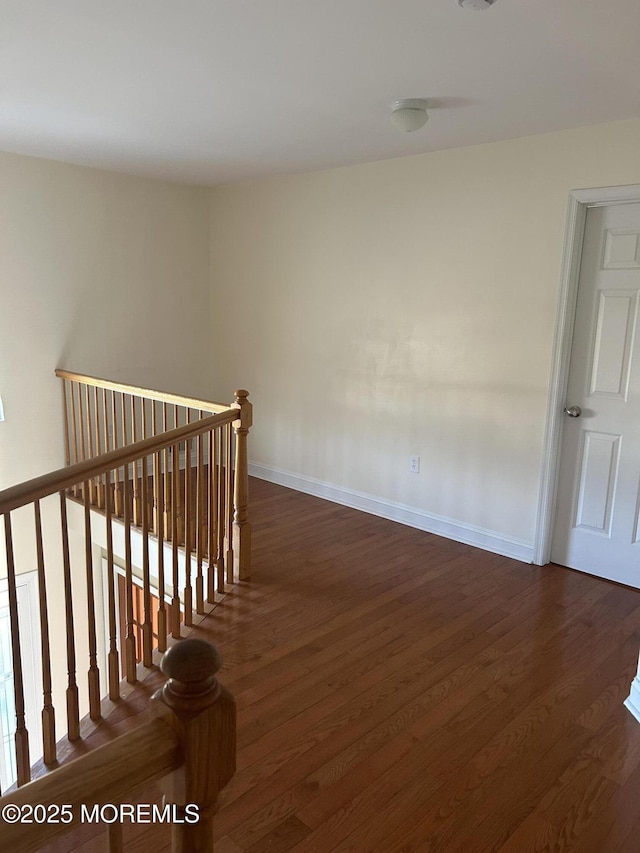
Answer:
(488, 540)
(632, 704)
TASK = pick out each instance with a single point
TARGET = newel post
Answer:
(203, 713)
(241, 526)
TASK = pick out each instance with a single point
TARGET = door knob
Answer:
(573, 411)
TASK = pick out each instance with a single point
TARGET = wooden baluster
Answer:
(188, 476)
(86, 425)
(241, 526)
(175, 490)
(123, 417)
(145, 470)
(228, 504)
(188, 527)
(106, 443)
(82, 394)
(74, 388)
(221, 526)
(212, 516)
(88, 421)
(93, 426)
(98, 446)
(195, 518)
(204, 715)
(73, 712)
(113, 656)
(48, 712)
(168, 505)
(126, 484)
(130, 639)
(201, 523)
(105, 419)
(144, 418)
(82, 412)
(94, 672)
(67, 425)
(178, 494)
(157, 482)
(162, 610)
(134, 467)
(101, 436)
(23, 763)
(147, 625)
(118, 507)
(220, 519)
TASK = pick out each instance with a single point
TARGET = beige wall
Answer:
(407, 307)
(107, 275)
(100, 273)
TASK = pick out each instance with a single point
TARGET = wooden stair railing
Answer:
(101, 415)
(214, 506)
(190, 733)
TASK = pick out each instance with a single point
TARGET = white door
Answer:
(597, 525)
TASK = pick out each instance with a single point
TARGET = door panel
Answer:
(616, 321)
(597, 481)
(598, 509)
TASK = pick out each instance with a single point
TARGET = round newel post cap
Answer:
(191, 661)
(191, 666)
(245, 410)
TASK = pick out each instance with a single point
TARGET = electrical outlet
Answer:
(414, 464)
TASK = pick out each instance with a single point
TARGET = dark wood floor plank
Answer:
(554, 748)
(612, 829)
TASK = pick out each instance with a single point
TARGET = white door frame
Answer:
(579, 202)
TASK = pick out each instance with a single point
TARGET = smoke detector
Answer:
(478, 5)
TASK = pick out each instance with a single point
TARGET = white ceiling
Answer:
(209, 91)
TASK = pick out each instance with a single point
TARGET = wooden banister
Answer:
(145, 393)
(193, 506)
(64, 478)
(191, 734)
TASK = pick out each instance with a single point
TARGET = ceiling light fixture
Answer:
(477, 5)
(409, 114)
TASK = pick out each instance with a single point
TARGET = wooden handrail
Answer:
(146, 393)
(62, 479)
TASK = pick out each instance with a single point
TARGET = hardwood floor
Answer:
(401, 692)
